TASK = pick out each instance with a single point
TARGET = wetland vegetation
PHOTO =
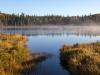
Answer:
(50, 37)
(81, 59)
(15, 57)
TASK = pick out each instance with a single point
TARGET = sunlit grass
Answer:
(82, 59)
(14, 55)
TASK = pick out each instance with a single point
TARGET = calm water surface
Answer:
(51, 44)
(50, 41)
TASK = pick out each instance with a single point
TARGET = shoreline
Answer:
(33, 63)
(15, 57)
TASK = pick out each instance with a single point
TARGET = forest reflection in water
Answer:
(52, 44)
(50, 41)
(46, 30)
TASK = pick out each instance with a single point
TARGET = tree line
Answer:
(22, 19)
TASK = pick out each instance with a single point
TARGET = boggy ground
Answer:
(81, 59)
(15, 58)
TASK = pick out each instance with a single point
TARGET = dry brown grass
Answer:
(82, 59)
(14, 55)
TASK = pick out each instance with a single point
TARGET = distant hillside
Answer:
(12, 19)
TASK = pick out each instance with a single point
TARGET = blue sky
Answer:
(46, 7)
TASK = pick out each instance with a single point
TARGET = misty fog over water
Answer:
(49, 39)
(43, 30)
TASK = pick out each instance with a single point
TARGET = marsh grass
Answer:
(81, 59)
(15, 58)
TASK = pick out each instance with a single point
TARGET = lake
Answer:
(51, 44)
(50, 41)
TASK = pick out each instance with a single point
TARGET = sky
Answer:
(49, 7)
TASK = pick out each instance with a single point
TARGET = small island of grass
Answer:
(81, 59)
(15, 58)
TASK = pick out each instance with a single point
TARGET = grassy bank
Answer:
(15, 58)
(81, 59)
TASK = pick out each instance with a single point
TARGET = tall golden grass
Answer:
(13, 52)
(82, 59)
